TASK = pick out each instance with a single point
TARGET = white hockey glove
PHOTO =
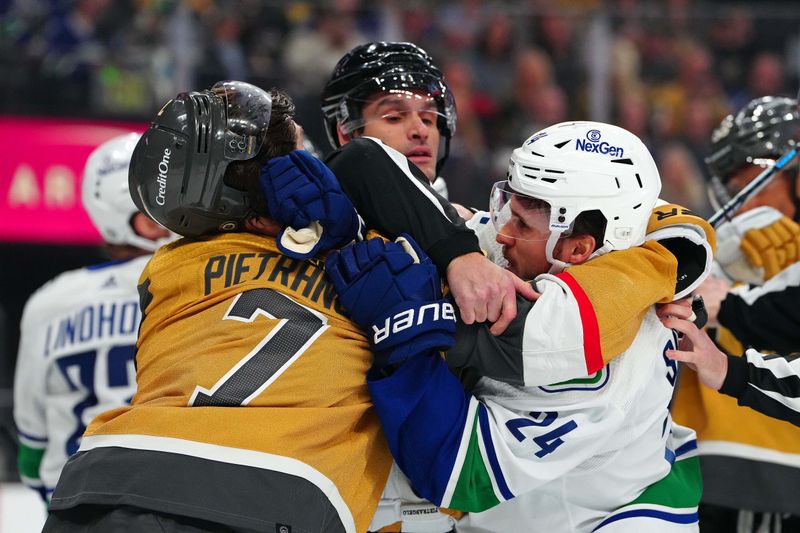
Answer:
(689, 237)
(481, 224)
(757, 244)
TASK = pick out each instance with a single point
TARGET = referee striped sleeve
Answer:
(769, 384)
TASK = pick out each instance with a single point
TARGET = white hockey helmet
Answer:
(585, 166)
(105, 194)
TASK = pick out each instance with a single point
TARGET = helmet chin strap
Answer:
(556, 266)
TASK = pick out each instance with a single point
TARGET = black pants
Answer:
(716, 519)
(108, 519)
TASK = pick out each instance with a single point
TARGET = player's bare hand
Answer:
(698, 351)
(484, 291)
(462, 211)
(680, 309)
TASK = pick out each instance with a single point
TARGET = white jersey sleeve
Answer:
(553, 339)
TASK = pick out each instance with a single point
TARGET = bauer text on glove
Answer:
(395, 296)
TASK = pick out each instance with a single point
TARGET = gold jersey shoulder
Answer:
(223, 265)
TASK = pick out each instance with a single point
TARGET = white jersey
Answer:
(599, 452)
(622, 442)
(75, 360)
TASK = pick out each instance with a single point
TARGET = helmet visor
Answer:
(723, 190)
(518, 216)
(247, 113)
(395, 96)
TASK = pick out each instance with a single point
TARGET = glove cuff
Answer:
(689, 245)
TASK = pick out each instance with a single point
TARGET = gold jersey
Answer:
(749, 460)
(243, 348)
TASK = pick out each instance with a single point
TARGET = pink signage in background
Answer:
(41, 167)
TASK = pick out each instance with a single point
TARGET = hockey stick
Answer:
(754, 187)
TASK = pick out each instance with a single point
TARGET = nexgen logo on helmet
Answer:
(594, 145)
(163, 170)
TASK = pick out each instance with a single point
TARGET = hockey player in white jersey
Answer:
(78, 331)
(533, 450)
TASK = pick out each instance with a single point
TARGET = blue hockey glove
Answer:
(393, 291)
(304, 196)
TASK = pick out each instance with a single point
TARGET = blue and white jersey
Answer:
(577, 455)
(75, 360)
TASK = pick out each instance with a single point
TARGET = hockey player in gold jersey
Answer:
(252, 412)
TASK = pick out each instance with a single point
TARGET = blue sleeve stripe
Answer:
(686, 448)
(32, 438)
(669, 455)
(491, 455)
(676, 518)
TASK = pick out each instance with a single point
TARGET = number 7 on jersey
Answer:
(298, 328)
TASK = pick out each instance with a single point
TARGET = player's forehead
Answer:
(744, 175)
(403, 100)
(527, 207)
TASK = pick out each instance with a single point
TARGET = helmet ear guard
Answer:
(178, 167)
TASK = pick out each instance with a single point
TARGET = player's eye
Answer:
(392, 117)
(429, 119)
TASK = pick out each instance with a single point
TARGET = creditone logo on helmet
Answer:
(163, 170)
(593, 144)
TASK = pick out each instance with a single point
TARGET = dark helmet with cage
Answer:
(178, 167)
(376, 67)
(759, 134)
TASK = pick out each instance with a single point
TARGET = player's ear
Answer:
(575, 250)
(148, 228)
(263, 226)
(343, 138)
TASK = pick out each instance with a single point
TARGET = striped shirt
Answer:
(769, 384)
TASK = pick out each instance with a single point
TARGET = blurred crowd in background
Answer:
(667, 70)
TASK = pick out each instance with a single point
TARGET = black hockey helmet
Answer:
(383, 66)
(177, 169)
(759, 134)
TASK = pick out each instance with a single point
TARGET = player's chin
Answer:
(426, 165)
(511, 266)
